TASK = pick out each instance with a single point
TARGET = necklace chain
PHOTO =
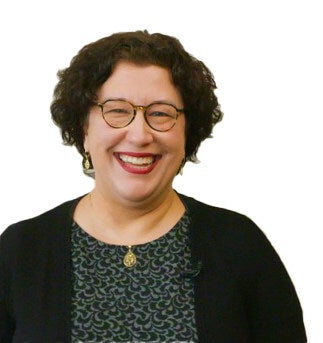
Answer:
(130, 258)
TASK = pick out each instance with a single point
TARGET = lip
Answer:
(136, 154)
(133, 169)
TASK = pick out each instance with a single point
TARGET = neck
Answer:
(132, 223)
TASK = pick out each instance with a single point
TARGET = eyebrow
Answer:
(166, 102)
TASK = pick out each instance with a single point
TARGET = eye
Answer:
(158, 114)
(117, 108)
(161, 111)
(118, 111)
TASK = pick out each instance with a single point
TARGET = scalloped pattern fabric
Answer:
(150, 302)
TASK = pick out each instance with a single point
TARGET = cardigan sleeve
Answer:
(6, 322)
(243, 292)
(274, 311)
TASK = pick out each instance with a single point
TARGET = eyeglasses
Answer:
(159, 116)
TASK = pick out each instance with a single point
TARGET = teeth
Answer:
(136, 160)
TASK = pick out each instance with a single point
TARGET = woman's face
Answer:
(135, 163)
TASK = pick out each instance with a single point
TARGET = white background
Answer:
(265, 159)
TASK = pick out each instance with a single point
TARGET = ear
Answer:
(85, 140)
(85, 136)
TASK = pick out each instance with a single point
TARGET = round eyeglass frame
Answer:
(139, 107)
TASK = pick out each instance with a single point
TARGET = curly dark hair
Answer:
(92, 66)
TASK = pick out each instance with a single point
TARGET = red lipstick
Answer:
(137, 162)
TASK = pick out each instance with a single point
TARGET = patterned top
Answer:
(150, 302)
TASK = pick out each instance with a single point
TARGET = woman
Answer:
(134, 261)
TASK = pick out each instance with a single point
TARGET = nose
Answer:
(138, 132)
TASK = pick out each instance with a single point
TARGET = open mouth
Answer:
(139, 163)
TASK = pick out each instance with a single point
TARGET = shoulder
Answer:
(45, 224)
(227, 235)
(219, 221)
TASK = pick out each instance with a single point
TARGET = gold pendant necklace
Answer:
(130, 258)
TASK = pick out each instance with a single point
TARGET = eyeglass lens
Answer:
(159, 116)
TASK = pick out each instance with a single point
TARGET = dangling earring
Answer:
(87, 164)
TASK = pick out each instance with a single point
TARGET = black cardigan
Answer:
(242, 290)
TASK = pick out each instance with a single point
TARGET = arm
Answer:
(6, 322)
(274, 311)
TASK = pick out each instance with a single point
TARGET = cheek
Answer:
(176, 145)
(101, 140)
(95, 133)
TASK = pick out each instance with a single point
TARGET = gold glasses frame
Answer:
(135, 109)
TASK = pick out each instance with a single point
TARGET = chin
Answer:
(136, 197)
(139, 194)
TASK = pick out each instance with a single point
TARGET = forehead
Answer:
(140, 84)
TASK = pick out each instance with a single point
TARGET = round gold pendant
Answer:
(130, 258)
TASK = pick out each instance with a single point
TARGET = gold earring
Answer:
(87, 164)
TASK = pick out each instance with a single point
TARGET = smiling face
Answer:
(135, 163)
